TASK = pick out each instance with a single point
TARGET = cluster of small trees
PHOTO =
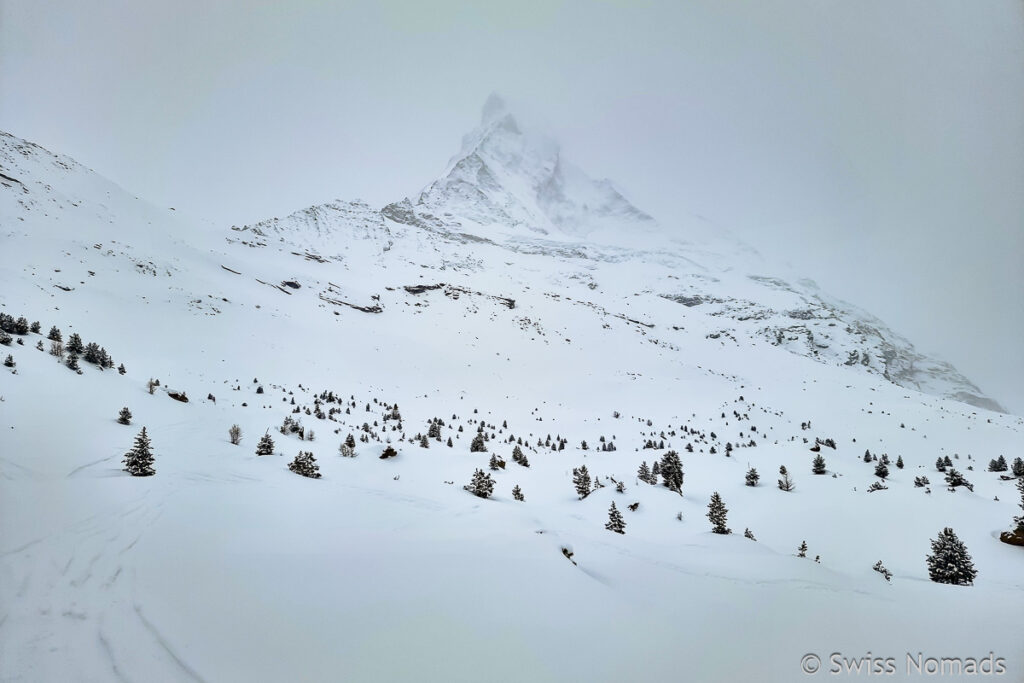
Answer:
(999, 465)
(20, 326)
(75, 349)
(479, 443)
(518, 457)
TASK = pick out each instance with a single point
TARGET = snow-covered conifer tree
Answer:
(138, 462)
(950, 562)
(615, 521)
(717, 515)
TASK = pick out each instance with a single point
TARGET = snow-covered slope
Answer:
(227, 566)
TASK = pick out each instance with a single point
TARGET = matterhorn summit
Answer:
(511, 181)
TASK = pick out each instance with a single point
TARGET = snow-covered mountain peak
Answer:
(494, 108)
(510, 180)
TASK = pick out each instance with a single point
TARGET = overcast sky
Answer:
(878, 145)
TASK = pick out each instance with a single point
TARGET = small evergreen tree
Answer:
(752, 477)
(91, 353)
(478, 445)
(138, 462)
(615, 521)
(120, 369)
(998, 465)
(125, 416)
(265, 445)
(717, 515)
(517, 493)
(305, 464)
(389, 452)
(644, 473)
(786, 484)
(5, 338)
(921, 482)
(581, 480)
(9, 361)
(493, 463)
(72, 362)
(235, 434)
(818, 466)
(940, 465)
(802, 550)
(1018, 467)
(481, 485)
(672, 472)
(54, 334)
(950, 562)
(880, 568)
(747, 533)
(954, 479)
(881, 471)
(620, 486)
(35, 327)
(899, 462)
(75, 344)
